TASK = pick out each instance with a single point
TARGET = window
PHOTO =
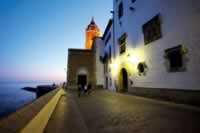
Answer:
(142, 68)
(120, 10)
(122, 43)
(175, 59)
(152, 30)
(133, 1)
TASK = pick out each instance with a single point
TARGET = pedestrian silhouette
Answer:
(89, 88)
(85, 88)
(79, 89)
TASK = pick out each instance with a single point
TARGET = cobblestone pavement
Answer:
(66, 118)
(108, 112)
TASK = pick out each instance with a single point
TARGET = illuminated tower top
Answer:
(91, 32)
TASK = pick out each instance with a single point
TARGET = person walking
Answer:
(89, 88)
(79, 89)
(85, 88)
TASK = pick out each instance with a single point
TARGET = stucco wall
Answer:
(110, 82)
(98, 42)
(180, 25)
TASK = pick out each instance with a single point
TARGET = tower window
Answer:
(120, 10)
(152, 30)
(175, 59)
(122, 43)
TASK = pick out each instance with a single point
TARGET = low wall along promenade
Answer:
(32, 117)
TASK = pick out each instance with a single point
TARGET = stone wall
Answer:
(80, 59)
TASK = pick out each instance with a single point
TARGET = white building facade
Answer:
(155, 45)
(96, 47)
(107, 54)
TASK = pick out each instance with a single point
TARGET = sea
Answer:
(13, 97)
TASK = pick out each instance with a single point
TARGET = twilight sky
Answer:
(36, 34)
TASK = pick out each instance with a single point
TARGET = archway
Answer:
(82, 79)
(82, 76)
(124, 80)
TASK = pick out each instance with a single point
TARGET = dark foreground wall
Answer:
(190, 97)
(19, 119)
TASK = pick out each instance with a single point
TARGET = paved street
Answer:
(66, 118)
(106, 112)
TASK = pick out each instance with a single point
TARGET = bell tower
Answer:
(91, 32)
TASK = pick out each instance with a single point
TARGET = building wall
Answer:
(97, 44)
(180, 25)
(80, 60)
(109, 49)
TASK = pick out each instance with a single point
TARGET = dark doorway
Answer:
(82, 79)
(106, 82)
(124, 80)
